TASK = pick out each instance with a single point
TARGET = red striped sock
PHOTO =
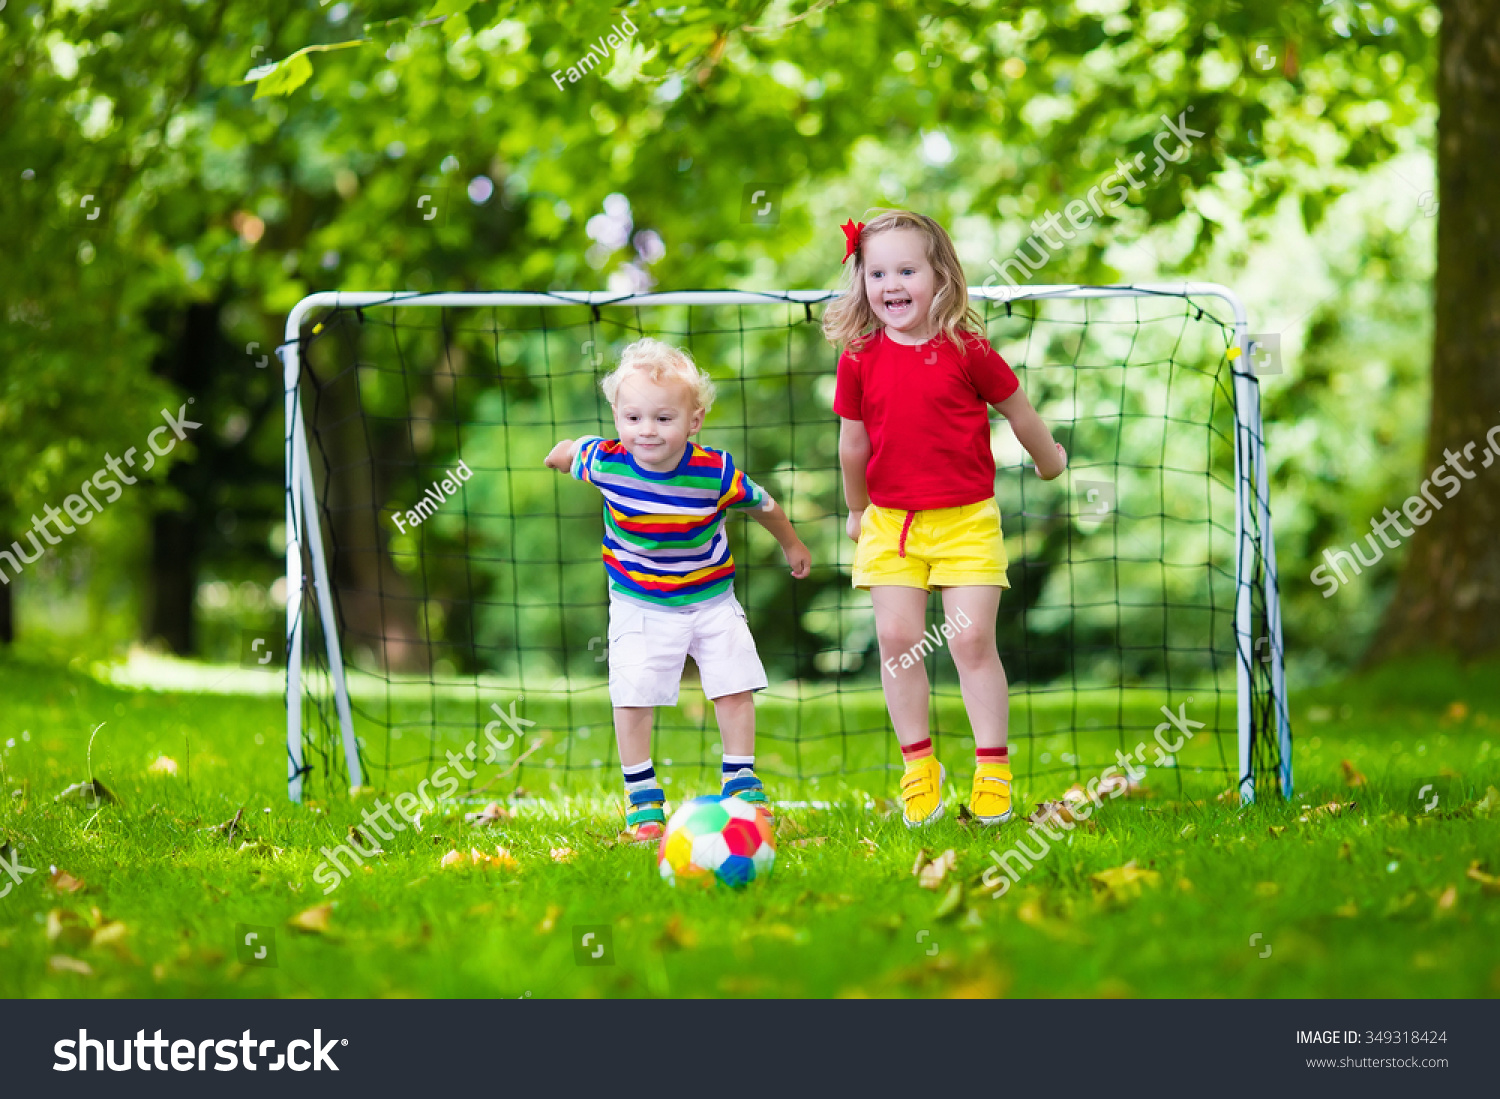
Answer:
(920, 750)
(992, 755)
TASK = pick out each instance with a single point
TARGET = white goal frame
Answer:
(303, 527)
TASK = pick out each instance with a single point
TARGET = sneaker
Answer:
(989, 800)
(745, 785)
(922, 792)
(646, 820)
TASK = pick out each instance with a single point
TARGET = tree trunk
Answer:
(1448, 596)
(174, 580)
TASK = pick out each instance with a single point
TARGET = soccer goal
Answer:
(445, 591)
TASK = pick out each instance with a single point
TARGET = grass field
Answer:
(1382, 897)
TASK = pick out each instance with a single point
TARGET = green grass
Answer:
(1374, 901)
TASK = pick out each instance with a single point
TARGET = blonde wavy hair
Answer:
(659, 362)
(850, 321)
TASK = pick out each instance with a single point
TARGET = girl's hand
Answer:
(561, 457)
(798, 558)
(1062, 464)
(856, 519)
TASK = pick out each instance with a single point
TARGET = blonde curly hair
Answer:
(850, 321)
(660, 362)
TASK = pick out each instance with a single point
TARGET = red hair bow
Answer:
(851, 238)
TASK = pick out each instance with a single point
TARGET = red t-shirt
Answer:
(926, 410)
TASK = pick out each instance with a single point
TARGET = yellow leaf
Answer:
(67, 929)
(1489, 804)
(453, 858)
(561, 854)
(492, 813)
(1448, 899)
(61, 963)
(1124, 882)
(1351, 776)
(930, 873)
(313, 919)
(1332, 809)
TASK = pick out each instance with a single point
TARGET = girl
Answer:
(915, 381)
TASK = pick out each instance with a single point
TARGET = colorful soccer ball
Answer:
(717, 838)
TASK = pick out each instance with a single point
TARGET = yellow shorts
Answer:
(940, 548)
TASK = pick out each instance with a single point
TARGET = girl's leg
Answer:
(900, 616)
(980, 674)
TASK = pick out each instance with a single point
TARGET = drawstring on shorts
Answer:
(906, 526)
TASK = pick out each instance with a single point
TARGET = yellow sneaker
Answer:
(989, 800)
(922, 792)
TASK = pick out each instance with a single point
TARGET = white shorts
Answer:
(647, 648)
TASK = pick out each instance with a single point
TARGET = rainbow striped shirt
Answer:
(664, 539)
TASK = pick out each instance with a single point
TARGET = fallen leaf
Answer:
(260, 849)
(810, 841)
(1448, 899)
(453, 858)
(952, 901)
(312, 919)
(1488, 883)
(1229, 797)
(490, 814)
(1276, 830)
(930, 873)
(110, 934)
(868, 847)
(503, 859)
(1489, 804)
(64, 882)
(1332, 809)
(561, 854)
(1124, 882)
(68, 929)
(676, 935)
(1351, 776)
(94, 792)
(1059, 811)
(61, 963)
(549, 921)
(1457, 711)
(1127, 785)
(363, 844)
(163, 765)
(228, 828)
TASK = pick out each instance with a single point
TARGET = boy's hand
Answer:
(1062, 464)
(852, 525)
(798, 558)
(561, 457)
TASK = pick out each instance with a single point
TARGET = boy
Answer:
(671, 578)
